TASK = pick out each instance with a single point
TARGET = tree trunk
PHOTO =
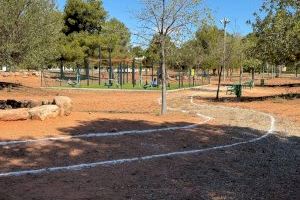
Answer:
(99, 66)
(241, 74)
(297, 70)
(219, 83)
(163, 77)
(61, 70)
(253, 73)
(277, 71)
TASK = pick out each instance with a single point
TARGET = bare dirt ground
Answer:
(266, 169)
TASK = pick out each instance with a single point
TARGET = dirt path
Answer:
(263, 169)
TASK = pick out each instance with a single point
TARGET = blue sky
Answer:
(238, 11)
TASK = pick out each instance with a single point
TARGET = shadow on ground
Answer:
(268, 169)
(9, 85)
(233, 98)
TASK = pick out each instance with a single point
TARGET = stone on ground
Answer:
(65, 105)
(14, 114)
(44, 112)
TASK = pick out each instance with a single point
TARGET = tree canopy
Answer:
(29, 33)
(87, 27)
(277, 32)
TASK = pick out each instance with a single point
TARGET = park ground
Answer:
(265, 169)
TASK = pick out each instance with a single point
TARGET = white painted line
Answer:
(95, 135)
(120, 161)
(109, 134)
(129, 160)
(272, 119)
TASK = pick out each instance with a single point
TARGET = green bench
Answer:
(249, 84)
(112, 82)
(150, 86)
(235, 89)
(230, 89)
(72, 83)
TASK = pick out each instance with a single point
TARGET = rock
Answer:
(34, 103)
(44, 112)
(14, 114)
(65, 105)
(46, 102)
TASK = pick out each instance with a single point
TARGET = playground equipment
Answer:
(120, 73)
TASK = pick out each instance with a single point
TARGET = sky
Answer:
(238, 11)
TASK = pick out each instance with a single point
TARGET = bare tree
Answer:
(167, 18)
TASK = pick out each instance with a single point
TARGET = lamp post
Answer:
(224, 21)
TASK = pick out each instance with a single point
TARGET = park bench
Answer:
(249, 84)
(235, 89)
(154, 86)
(230, 89)
(111, 83)
(150, 86)
(72, 83)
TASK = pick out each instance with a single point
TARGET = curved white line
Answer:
(120, 161)
(109, 134)
(95, 135)
(272, 119)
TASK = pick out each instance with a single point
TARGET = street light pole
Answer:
(225, 21)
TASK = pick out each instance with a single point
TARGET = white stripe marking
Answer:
(120, 161)
(94, 135)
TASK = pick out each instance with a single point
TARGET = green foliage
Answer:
(137, 51)
(277, 31)
(86, 29)
(251, 60)
(210, 40)
(87, 16)
(153, 51)
(204, 50)
(117, 36)
(29, 33)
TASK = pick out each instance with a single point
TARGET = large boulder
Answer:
(14, 114)
(65, 105)
(34, 103)
(44, 112)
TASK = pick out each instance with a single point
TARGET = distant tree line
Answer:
(35, 34)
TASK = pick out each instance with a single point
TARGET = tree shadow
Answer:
(9, 85)
(288, 96)
(267, 169)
